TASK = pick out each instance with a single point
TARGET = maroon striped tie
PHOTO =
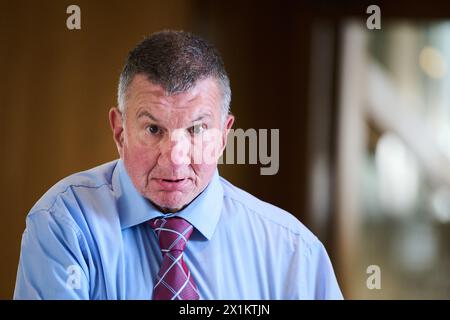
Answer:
(174, 280)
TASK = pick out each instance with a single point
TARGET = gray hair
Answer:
(176, 60)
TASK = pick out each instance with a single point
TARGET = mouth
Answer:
(172, 184)
(172, 180)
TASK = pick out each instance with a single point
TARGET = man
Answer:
(160, 223)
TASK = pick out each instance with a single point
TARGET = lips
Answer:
(172, 184)
(173, 180)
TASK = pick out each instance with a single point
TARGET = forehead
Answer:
(143, 93)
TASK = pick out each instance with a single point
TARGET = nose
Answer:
(175, 151)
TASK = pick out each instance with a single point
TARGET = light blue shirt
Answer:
(87, 238)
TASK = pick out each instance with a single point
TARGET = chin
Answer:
(172, 203)
(170, 208)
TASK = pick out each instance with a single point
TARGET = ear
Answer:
(226, 129)
(116, 122)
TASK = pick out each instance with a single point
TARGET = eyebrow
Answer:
(202, 116)
(147, 114)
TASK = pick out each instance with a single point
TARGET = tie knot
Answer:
(173, 233)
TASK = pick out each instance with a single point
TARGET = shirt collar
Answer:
(203, 212)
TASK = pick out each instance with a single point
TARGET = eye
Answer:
(153, 129)
(196, 129)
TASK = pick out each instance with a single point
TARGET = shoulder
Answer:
(94, 178)
(271, 215)
(65, 202)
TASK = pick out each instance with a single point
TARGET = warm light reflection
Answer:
(432, 62)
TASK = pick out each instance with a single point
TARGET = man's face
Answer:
(158, 134)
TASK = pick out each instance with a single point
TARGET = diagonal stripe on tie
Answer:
(174, 280)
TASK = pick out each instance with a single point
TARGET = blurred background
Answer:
(364, 119)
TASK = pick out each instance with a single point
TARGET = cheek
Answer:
(139, 162)
(204, 171)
